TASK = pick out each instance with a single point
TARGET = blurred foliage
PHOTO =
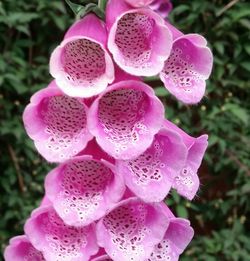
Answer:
(30, 30)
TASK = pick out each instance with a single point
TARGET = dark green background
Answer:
(30, 30)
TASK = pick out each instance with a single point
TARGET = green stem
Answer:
(102, 4)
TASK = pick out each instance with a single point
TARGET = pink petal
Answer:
(150, 176)
(125, 118)
(131, 229)
(187, 68)
(55, 240)
(20, 249)
(139, 41)
(139, 3)
(83, 189)
(81, 64)
(57, 124)
(187, 182)
(161, 7)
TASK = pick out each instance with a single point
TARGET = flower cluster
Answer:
(117, 156)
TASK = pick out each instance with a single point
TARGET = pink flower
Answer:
(56, 240)
(125, 118)
(131, 230)
(162, 7)
(81, 64)
(187, 182)
(177, 237)
(20, 249)
(151, 175)
(138, 38)
(57, 124)
(188, 67)
(83, 189)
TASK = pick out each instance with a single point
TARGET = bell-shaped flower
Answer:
(57, 123)
(188, 67)
(58, 241)
(161, 7)
(177, 237)
(83, 189)
(125, 118)
(151, 175)
(81, 64)
(138, 38)
(132, 229)
(20, 249)
(187, 182)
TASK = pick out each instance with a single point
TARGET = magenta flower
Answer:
(187, 182)
(125, 118)
(56, 240)
(131, 230)
(57, 124)
(177, 237)
(187, 68)
(162, 7)
(138, 38)
(83, 189)
(20, 249)
(81, 64)
(151, 175)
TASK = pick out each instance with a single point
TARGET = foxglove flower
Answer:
(125, 118)
(177, 237)
(57, 124)
(83, 189)
(131, 230)
(81, 64)
(188, 67)
(56, 240)
(20, 249)
(138, 38)
(187, 182)
(151, 175)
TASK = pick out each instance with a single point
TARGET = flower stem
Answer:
(102, 4)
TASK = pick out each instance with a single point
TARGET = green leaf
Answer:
(181, 211)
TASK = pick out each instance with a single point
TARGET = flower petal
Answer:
(187, 68)
(55, 240)
(20, 249)
(81, 64)
(151, 175)
(125, 118)
(83, 189)
(140, 42)
(57, 124)
(187, 182)
(131, 229)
